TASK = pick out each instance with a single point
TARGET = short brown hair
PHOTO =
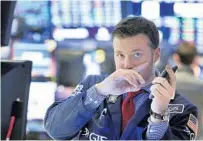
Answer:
(132, 26)
(187, 52)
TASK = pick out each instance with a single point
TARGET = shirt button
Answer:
(91, 99)
(96, 102)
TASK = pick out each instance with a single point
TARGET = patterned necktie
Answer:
(128, 108)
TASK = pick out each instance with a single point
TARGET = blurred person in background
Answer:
(118, 106)
(196, 67)
(187, 83)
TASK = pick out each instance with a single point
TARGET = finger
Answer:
(134, 77)
(138, 77)
(172, 78)
(162, 90)
(140, 69)
(130, 80)
(162, 81)
(157, 94)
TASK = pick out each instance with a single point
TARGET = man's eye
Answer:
(137, 54)
(120, 55)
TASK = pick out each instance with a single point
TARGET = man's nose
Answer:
(128, 63)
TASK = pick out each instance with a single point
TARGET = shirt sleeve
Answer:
(93, 99)
(156, 131)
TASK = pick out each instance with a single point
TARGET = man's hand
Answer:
(163, 91)
(122, 81)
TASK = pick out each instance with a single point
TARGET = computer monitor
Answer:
(7, 10)
(15, 83)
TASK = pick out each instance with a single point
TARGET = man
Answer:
(117, 107)
(187, 83)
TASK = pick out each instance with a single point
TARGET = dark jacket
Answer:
(69, 119)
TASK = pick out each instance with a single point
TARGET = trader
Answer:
(119, 106)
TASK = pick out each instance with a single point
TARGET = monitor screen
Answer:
(90, 13)
(7, 10)
(35, 16)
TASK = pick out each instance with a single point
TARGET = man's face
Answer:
(131, 52)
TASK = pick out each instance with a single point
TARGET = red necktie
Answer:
(128, 108)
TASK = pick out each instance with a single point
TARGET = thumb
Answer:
(172, 78)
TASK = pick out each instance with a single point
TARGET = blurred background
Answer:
(70, 39)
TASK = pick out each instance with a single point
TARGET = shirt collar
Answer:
(147, 88)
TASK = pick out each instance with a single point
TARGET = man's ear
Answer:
(157, 54)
